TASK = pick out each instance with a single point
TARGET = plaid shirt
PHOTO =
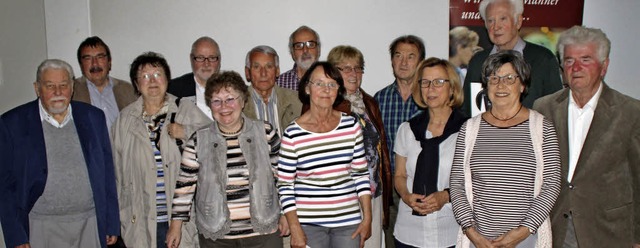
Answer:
(289, 79)
(394, 112)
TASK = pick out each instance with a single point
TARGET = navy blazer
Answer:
(23, 173)
(183, 86)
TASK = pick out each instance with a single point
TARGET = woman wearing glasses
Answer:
(145, 140)
(322, 173)
(424, 150)
(506, 169)
(232, 163)
(350, 62)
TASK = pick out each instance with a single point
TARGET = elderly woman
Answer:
(147, 155)
(322, 173)
(350, 62)
(232, 163)
(505, 176)
(463, 44)
(424, 151)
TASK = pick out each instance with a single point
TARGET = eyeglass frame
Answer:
(347, 69)
(505, 79)
(430, 83)
(304, 44)
(147, 76)
(202, 59)
(230, 102)
(331, 86)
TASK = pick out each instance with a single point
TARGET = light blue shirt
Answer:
(104, 100)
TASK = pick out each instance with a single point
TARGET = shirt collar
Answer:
(44, 115)
(520, 44)
(258, 98)
(93, 86)
(592, 103)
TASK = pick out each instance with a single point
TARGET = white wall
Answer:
(169, 27)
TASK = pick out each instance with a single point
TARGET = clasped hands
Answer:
(426, 204)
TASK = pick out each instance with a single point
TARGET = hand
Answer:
(364, 230)
(176, 131)
(416, 202)
(111, 239)
(174, 234)
(283, 226)
(636, 246)
(512, 238)
(477, 239)
(435, 201)
(27, 245)
(298, 238)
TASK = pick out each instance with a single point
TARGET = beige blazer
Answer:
(604, 194)
(289, 107)
(122, 90)
(136, 171)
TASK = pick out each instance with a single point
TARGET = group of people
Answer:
(207, 160)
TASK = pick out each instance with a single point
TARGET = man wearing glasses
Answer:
(304, 46)
(268, 102)
(96, 87)
(205, 61)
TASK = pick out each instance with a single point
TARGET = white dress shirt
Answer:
(579, 123)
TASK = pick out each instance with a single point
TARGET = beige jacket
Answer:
(136, 171)
(122, 90)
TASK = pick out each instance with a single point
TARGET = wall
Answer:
(169, 27)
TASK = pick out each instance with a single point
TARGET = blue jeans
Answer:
(161, 234)
(331, 237)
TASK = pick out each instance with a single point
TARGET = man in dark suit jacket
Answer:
(95, 86)
(504, 34)
(599, 137)
(205, 61)
(35, 175)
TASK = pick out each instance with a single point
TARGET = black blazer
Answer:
(182, 86)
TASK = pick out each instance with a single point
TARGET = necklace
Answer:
(234, 132)
(491, 112)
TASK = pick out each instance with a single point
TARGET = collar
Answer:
(44, 115)
(258, 98)
(592, 103)
(93, 86)
(520, 44)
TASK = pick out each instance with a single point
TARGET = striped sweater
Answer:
(322, 175)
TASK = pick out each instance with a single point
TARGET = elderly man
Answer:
(268, 101)
(205, 61)
(396, 103)
(59, 188)
(95, 86)
(599, 136)
(503, 19)
(304, 46)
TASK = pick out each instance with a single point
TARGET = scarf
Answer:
(357, 103)
(425, 180)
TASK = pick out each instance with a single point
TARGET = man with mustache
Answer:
(304, 46)
(95, 86)
(205, 61)
(57, 180)
(503, 20)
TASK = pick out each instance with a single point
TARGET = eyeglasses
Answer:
(506, 79)
(438, 82)
(357, 69)
(230, 102)
(147, 77)
(211, 59)
(100, 56)
(331, 86)
(309, 44)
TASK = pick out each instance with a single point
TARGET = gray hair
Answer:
(583, 35)
(515, 58)
(55, 64)
(516, 5)
(300, 29)
(202, 40)
(262, 49)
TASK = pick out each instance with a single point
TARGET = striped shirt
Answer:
(503, 167)
(394, 112)
(237, 188)
(154, 124)
(322, 175)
